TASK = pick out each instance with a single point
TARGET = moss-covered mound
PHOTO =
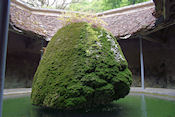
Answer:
(82, 67)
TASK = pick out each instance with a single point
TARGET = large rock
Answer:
(82, 67)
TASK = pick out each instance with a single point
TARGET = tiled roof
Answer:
(122, 22)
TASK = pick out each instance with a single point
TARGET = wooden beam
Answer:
(158, 27)
(28, 35)
(153, 39)
(164, 9)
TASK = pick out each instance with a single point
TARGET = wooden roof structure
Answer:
(139, 19)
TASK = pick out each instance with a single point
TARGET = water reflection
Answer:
(143, 106)
(36, 112)
(127, 107)
(135, 105)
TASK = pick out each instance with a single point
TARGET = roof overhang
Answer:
(122, 22)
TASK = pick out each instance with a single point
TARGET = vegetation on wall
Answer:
(68, 18)
(82, 67)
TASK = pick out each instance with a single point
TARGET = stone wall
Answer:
(24, 55)
(159, 62)
(22, 60)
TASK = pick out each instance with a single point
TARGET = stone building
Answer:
(31, 29)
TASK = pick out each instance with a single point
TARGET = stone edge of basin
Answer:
(156, 91)
(17, 91)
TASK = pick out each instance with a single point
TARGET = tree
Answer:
(58, 4)
(136, 1)
(102, 5)
(83, 5)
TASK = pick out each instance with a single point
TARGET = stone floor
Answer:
(159, 91)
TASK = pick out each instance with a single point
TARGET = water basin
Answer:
(134, 105)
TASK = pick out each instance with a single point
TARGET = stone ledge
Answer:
(159, 91)
(17, 91)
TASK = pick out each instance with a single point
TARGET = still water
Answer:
(130, 106)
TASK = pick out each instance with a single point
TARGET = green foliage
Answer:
(68, 18)
(83, 5)
(102, 5)
(79, 70)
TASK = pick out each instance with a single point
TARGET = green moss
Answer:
(82, 67)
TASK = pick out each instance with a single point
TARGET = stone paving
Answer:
(159, 91)
(17, 91)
